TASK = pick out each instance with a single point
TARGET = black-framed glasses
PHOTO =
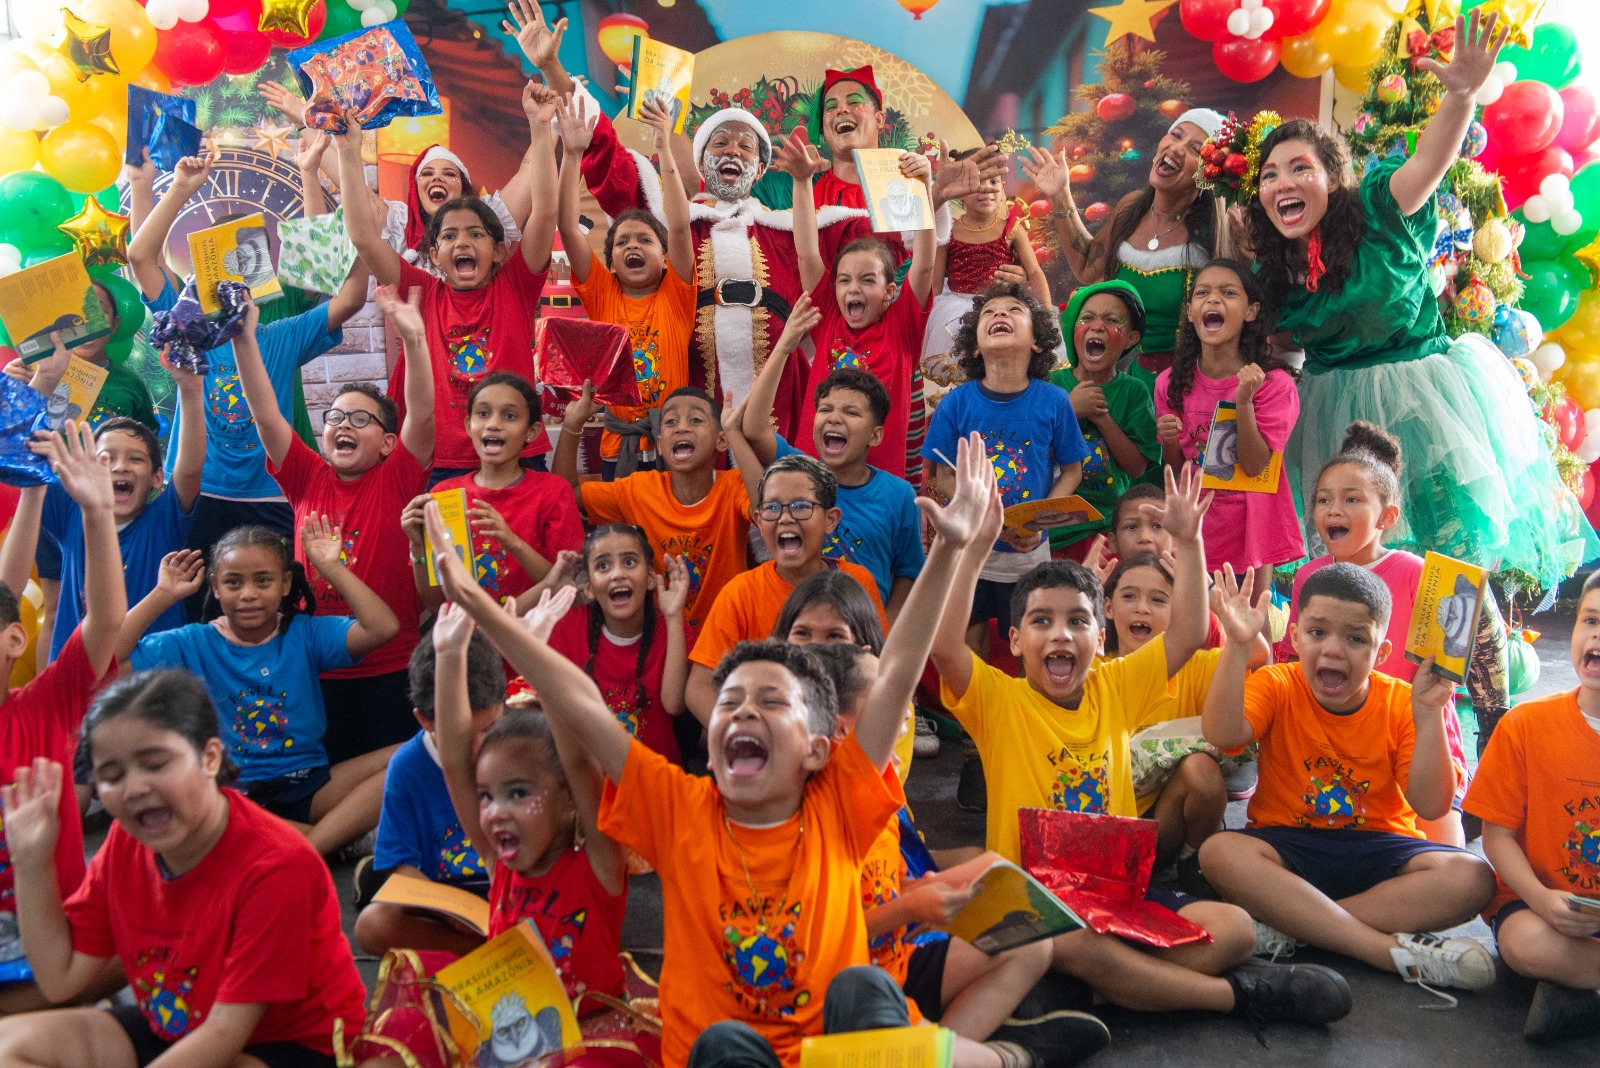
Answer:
(772, 511)
(357, 418)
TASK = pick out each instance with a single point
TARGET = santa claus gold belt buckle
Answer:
(753, 301)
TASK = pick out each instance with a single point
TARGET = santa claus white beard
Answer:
(710, 168)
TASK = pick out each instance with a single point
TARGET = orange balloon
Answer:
(133, 39)
(1303, 56)
(1352, 78)
(152, 77)
(82, 156)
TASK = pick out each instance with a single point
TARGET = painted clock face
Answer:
(242, 181)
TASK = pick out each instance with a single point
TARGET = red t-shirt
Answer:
(617, 672)
(256, 921)
(471, 333)
(578, 918)
(541, 510)
(375, 549)
(41, 720)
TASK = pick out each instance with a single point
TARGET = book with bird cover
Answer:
(51, 297)
(895, 203)
(75, 395)
(1031, 517)
(234, 251)
(661, 74)
(1444, 617)
(507, 1005)
(1220, 467)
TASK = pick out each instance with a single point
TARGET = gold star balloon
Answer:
(288, 16)
(1518, 16)
(1132, 17)
(88, 47)
(1589, 256)
(101, 236)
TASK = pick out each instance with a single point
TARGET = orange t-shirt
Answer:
(757, 921)
(711, 535)
(750, 604)
(881, 875)
(1540, 777)
(659, 324)
(1323, 770)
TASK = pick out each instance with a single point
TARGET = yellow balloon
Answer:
(1355, 37)
(1304, 57)
(82, 156)
(85, 99)
(1580, 335)
(151, 77)
(37, 51)
(18, 151)
(133, 39)
(1352, 78)
(14, 61)
(1582, 381)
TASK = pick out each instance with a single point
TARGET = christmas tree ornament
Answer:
(1013, 142)
(1492, 243)
(1526, 371)
(1171, 109)
(1364, 122)
(1081, 173)
(1475, 303)
(1476, 141)
(1078, 151)
(1099, 211)
(100, 236)
(1392, 89)
(1114, 107)
(272, 139)
(1235, 182)
(1129, 155)
(88, 47)
(1516, 332)
(1132, 17)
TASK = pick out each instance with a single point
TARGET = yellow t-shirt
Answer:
(1185, 698)
(1037, 754)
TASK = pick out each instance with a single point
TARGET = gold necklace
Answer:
(962, 222)
(727, 825)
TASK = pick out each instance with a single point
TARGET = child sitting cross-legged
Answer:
(1061, 734)
(1535, 792)
(1349, 759)
(772, 845)
(419, 833)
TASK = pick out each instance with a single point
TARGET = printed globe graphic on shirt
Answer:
(1583, 854)
(489, 557)
(764, 960)
(848, 358)
(321, 588)
(260, 724)
(163, 995)
(1078, 788)
(1010, 467)
(644, 370)
(841, 543)
(457, 858)
(1097, 465)
(560, 931)
(624, 704)
(1336, 800)
(879, 886)
(225, 401)
(469, 351)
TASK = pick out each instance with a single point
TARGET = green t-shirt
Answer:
(1131, 407)
(123, 394)
(1386, 312)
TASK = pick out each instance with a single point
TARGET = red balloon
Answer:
(1566, 415)
(1525, 119)
(314, 22)
(246, 51)
(224, 8)
(1245, 60)
(1206, 19)
(1520, 175)
(1580, 122)
(1592, 510)
(191, 53)
(1296, 17)
(1586, 494)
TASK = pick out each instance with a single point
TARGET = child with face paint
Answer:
(1105, 322)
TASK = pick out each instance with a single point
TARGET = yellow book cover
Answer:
(235, 251)
(74, 398)
(51, 296)
(1011, 907)
(890, 1047)
(1444, 617)
(897, 204)
(663, 74)
(413, 892)
(1030, 517)
(453, 510)
(519, 1009)
(1220, 468)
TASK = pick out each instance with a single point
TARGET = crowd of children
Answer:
(244, 699)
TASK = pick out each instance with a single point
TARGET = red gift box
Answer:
(1100, 867)
(574, 351)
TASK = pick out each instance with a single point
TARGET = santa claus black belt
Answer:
(744, 293)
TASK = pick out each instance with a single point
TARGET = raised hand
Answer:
(487, 522)
(916, 165)
(564, 570)
(1478, 44)
(672, 588)
(659, 119)
(49, 371)
(798, 157)
(542, 618)
(580, 411)
(539, 41)
(803, 318)
(320, 540)
(1251, 377)
(348, 140)
(1185, 506)
(960, 521)
(1430, 691)
(575, 124)
(962, 177)
(1240, 618)
(732, 414)
(1099, 560)
(191, 173)
(285, 100)
(314, 144)
(142, 173)
(187, 381)
(1048, 172)
(74, 458)
(452, 629)
(411, 520)
(32, 813)
(405, 315)
(182, 573)
(539, 102)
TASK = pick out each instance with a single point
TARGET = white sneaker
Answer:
(1273, 943)
(926, 744)
(1431, 961)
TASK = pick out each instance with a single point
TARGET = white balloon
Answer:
(373, 16)
(53, 111)
(1559, 201)
(1591, 421)
(19, 114)
(1506, 71)
(10, 254)
(1548, 358)
(1239, 22)
(1555, 183)
(1536, 209)
(35, 22)
(1589, 448)
(30, 85)
(1492, 88)
(192, 10)
(391, 10)
(361, 5)
(163, 14)
(1566, 223)
(1261, 21)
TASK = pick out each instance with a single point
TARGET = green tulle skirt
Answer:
(1477, 483)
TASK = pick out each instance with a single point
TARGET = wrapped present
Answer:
(164, 124)
(22, 412)
(1100, 867)
(315, 253)
(185, 327)
(571, 352)
(378, 73)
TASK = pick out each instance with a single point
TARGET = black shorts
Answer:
(289, 796)
(365, 715)
(1508, 910)
(147, 1045)
(925, 977)
(1344, 863)
(992, 600)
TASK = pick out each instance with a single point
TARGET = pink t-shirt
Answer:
(1243, 529)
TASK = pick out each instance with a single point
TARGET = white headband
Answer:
(1208, 120)
(440, 152)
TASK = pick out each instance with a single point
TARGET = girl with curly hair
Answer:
(1345, 267)
(1006, 347)
(1224, 355)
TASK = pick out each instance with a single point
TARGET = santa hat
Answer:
(416, 222)
(722, 118)
(860, 75)
(1208, 120)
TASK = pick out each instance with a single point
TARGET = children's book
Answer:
(1444, 617)
(509, 1001)
(453, 510)
(1031, 517)
(661, 74)
(1587, 905)
(449, 901)
(51, 296)
(1099, 866)
(890, 1047)
(896, 204)
(1220, 468)
(235, 251)
(1011, 907)
(74, 397)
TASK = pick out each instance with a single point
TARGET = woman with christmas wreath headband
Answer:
(1344, 264)
(1157, 239)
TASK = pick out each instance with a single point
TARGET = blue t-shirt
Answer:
(236, 463)
(1028, 435)
(880, 527)
(267, 696)
(418, 824)
(158, 530)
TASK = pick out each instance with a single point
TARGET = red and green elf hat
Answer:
(860, 75)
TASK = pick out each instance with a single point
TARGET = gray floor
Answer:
(1390, 1026)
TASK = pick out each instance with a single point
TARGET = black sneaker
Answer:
(1058, 1038)
(1054, 990)
(1560, 1012)
(365, 882)
(972, 790)
(1298, 993)
(1192, 881)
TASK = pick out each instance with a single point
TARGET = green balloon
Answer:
(31, 204)
(125, 296)
(1540, 241)
(1585, 187)
(1551, 290)
(1523, 665)
(1552, 58)
(342, 19)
